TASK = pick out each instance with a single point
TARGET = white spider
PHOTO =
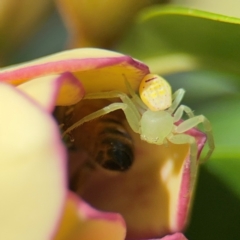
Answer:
(153, 115)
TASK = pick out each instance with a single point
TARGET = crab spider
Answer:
(153, 115)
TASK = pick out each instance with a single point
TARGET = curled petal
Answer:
(32, 173)
(53, 90)
(81, 221)
(188, 181)
(71, 90)
(153, 195)
(97, 69)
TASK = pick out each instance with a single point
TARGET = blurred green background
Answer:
(201, 56)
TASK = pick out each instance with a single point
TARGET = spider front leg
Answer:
(180, 111)
(193, 122)
(135, 97)
(110, 108)
(131, 112)
(177, 98)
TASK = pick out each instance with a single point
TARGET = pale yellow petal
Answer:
(32, 173)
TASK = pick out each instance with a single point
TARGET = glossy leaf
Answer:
(215, 213)
(224, 115)
(172, 39)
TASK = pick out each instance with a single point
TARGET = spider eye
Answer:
(155, 92)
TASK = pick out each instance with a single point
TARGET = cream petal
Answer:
(32, 177)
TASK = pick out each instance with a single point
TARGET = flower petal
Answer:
(81, 221)
(98, 23)
(175, 236)
(32, 177)
(189, 176)
(53, 90)
(98, 70)
(153, 195)
(15, 32)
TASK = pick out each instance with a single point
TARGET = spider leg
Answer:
(187, 139)
(135, 97)
(110, 108)
(193, 122)
(180, 111)
(131, 112)
(115, 94)
(177, 98)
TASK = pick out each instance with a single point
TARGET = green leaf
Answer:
(172, 39)
(215, 213)
(224, 115)
(228, 171)
(203, 86)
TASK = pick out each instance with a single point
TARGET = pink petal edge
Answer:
(70, 65)
(175, 236)
(82, 215)
(184, 195)
(89, 212)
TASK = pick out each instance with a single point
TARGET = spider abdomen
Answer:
(156, 126)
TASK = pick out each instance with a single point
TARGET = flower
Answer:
(14, 33)
(153, 196)
(99, 23)
(35, 199)
(90, 65)
(176, 236)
